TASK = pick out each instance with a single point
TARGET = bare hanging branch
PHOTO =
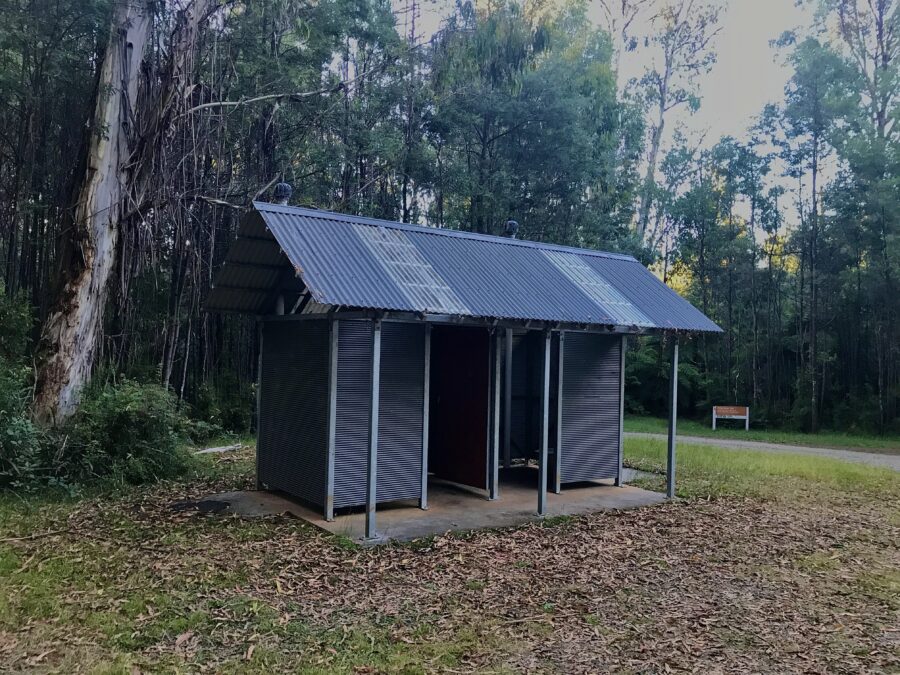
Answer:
(133, 112)
(300, 95)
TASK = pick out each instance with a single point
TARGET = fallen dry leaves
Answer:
(723, 586)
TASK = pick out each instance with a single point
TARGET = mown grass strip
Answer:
(703, 470)
(825, 439)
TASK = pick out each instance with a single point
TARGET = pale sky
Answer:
(747, 75)
(748, 72)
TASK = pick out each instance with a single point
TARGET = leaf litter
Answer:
(729, 585)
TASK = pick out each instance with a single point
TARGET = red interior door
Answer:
(458, 415)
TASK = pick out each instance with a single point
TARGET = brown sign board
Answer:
(731, 411)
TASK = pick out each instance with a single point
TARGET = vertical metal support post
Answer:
(545, 428)
(373, 432)
(507, 401)
(259, 364)
(333, 326)
(494, 477)
(426, 401)
(621, 453)
(557, 473)
(673, 414)
(747, 421)
(489, 427)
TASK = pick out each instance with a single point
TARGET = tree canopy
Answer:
(787, 238)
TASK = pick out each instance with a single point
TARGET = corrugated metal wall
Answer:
(293, 435)
(293, 432)
(590, 410)
(400, 412)
(351, 447)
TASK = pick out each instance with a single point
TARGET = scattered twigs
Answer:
(36, 535)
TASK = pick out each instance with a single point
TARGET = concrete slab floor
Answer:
(450, 507)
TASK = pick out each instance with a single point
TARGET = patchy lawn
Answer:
(799, 573)
(735, 429)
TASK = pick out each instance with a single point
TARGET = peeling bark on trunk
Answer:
(123, 157)
(71, 334)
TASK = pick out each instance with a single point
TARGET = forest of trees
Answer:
(788, 239)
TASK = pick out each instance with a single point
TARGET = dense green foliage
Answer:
(801, 273)
(123, 432)
(21, 442)
(508, 111)
(127, 432)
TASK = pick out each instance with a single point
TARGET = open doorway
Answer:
(526, 382)
(459, 405)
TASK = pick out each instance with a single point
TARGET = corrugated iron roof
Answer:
(358, 262)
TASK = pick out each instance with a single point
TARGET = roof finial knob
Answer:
(282, 193)
(511, 229)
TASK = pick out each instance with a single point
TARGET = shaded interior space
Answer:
(466, 393)
(459, 405)
(451, 507)
(522, 355)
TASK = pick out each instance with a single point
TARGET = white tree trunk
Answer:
(72, 332)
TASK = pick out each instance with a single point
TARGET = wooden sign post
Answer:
(731, 412)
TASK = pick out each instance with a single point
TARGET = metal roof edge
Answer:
(486, 321)
(264, 207)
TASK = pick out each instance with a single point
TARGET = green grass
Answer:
(824, 439)
(705, 470)
(99, 585)
(135, 586)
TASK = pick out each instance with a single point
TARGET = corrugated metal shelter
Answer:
(393, 352)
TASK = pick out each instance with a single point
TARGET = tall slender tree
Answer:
(683, 37)
(128, 125)
(815, 97)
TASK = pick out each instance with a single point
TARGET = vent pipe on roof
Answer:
(282, 193)
(511, 229)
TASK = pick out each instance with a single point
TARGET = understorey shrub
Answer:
(126, 432)
(227, 405)
(21, 442)
(201, 432)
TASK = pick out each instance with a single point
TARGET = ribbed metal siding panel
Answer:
(239, 288)
(337, 266)
(590, 407)
(351, 448)
(400, 411)
(599, 289)
(240, 300)
(293, 433)
(404, 263)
